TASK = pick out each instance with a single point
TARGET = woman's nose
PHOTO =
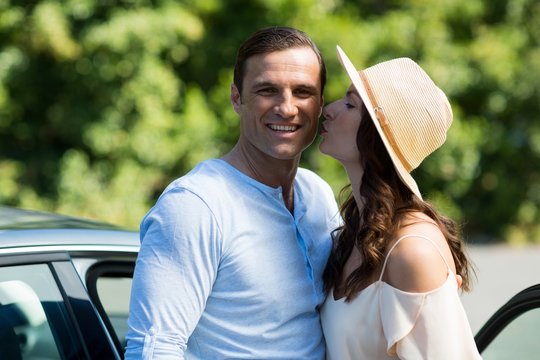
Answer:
(326, 112)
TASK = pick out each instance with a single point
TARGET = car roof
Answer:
(23, 228)
(15, 218)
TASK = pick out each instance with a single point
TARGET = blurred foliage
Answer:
(104, 102)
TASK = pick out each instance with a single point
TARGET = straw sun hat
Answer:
(411, 114)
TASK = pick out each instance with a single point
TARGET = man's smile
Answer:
(286, 128)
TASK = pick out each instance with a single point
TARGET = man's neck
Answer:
(266, 170)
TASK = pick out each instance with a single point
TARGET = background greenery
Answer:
(103, 102)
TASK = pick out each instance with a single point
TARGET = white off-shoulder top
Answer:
(383, 322)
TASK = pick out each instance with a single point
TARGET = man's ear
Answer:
(236, 100)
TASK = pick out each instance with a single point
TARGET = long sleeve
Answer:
(225, 271)
(176, 268)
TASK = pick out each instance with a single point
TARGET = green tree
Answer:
(104, 102)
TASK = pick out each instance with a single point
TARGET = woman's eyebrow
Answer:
(353, 94)
(350, 93)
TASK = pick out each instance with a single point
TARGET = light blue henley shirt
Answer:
(225, 271)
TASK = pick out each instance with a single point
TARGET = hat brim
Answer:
(358, 84)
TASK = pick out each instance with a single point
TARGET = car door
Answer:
(512, 332)
(45, 311)
(109, 286)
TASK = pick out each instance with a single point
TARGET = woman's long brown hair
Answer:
(387, 201)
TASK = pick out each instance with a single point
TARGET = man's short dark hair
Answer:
(275, 38)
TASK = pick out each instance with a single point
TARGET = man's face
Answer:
(281, 102)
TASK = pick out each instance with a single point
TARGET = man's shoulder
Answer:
(309, 179)
(197, 189)
(308, 175)
(202, 176)
(316, 193)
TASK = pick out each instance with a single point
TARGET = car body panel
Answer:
(66, 252)
(517, 321)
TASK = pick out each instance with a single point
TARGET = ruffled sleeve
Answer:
(430, 325)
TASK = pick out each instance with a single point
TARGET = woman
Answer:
(397, 264)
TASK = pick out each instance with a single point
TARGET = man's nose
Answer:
(287, 106)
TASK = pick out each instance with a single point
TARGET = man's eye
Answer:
(303, 93)
(349, 106)
(267, 91)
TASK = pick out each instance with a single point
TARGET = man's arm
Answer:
(174, 274)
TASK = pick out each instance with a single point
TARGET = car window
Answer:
(518, 340)
(114, 293)
(109, 287)
(34, 322)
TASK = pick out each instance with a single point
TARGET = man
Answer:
(232, 254)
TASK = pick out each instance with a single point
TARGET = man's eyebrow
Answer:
(308, 87)
(264, 83)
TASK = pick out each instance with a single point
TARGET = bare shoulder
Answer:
(415, 264)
